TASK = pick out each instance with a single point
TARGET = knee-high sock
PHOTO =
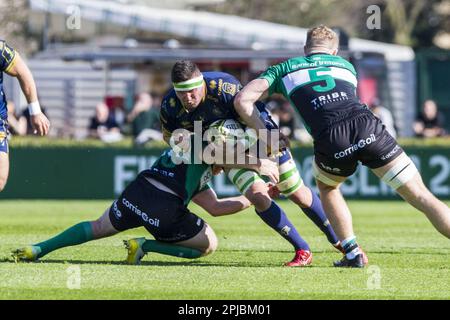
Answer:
(351, 247)
(77, 234)
(170, 249)
(277, 220)
(316, 213)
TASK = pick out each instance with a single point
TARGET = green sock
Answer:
(170, 249)
(77, 234)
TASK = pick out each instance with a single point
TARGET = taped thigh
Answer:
(243, 179)
(319, 175)
(400, 173)
(290, 179)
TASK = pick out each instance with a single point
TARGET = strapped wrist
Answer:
(34, 108)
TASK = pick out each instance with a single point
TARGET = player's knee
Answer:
(302, 197)
(259, 196)
(323, 187)
(211, 242)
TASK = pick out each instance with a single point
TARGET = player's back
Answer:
(321, 87)
(186, 178)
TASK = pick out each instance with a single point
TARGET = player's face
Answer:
(191, 99)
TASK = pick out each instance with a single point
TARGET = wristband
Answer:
(34, 108)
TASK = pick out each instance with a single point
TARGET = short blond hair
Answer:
(321, 37)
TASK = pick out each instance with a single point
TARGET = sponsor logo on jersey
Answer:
(320, 101)
(144, 216)
(229, 88)
(329, 169)
(213, 84)
(360, 145)
(172, 102)
(205, 178)
(391, 153)
(116, 210)
(219, 87)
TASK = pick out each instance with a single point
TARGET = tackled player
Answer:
(157, 200)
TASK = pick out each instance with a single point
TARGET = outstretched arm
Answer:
(20, 70)
(244, 102)
(220, 207)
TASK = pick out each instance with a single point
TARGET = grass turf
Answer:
(408, 258)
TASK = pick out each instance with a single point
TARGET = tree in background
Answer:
(407, 22)
(14, 17)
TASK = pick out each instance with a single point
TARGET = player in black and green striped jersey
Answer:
(157, 200)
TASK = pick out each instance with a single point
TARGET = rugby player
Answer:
(12, 64)
(208, 97)
(322, 88)
(157, 200)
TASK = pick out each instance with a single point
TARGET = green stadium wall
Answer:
(101, 173)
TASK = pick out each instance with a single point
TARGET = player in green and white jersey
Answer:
(322, 88)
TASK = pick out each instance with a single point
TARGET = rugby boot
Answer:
(339, 247)
(356, 262)
(135, 252)
(28, 253)
(302, 258)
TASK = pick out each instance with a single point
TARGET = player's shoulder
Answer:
(221, 83)
(331, 61)
(170, 103)
(217, 75)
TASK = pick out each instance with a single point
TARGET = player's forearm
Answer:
(230, 205)
(26, 81)
(248, 112)
(28, 87)
(244, 103)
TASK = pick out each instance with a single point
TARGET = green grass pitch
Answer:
(408, 258)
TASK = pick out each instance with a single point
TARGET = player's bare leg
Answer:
(302, 197)
(205, 241)
(417, 194)
(75, 235)
(340, 217)
(275, 217)
(334, 203)
(4, 169)
(311, 205)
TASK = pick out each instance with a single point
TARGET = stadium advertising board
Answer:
(101, 173)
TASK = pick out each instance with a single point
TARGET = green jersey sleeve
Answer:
(273, 75)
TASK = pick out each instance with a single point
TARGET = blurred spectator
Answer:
(288, 120)
(430, 121)
(17, 124)
(103, 125)
(385, 115)
(284, 117)
(144, 118)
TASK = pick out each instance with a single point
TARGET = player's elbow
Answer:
(216, 210)
(238, 102)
